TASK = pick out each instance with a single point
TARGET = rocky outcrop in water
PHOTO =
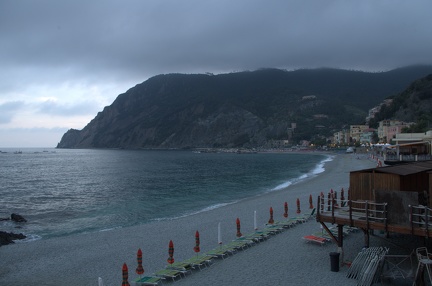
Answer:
(9, 237)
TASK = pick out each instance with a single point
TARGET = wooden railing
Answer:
(356, 210)
(420, 216)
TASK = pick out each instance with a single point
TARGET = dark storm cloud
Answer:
(120, 39)
(62, 61)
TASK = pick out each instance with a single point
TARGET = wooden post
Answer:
(367, 215)
(340, 243)
(333, 208)
(411, 218)
(426, 220)
(386, 220)
(366, 237)
(340, 235)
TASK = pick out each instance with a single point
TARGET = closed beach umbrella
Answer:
(285, 209)
(219, 235)
(125, 275)
(197, 242)
(310, 202)
(298, 206)
(139, 270)
(171, 252)
(239, 234)
(100, 282)
(335, 199)
(255, 221)
(271, 221)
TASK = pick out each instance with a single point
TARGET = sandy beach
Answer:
(284, 259)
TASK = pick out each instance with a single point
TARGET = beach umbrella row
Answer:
(140, 269)
(333, 196)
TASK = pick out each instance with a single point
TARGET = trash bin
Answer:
(334, 261)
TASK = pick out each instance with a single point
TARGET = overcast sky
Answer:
(61, 62)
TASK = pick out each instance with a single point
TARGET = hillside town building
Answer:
(388, 129)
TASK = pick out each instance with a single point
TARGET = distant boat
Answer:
(18, 152)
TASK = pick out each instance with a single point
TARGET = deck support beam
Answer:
(366, 236)
(338, 241)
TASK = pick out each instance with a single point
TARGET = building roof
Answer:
(403, 169)
(408, 144)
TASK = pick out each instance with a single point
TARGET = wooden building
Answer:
(394, 199)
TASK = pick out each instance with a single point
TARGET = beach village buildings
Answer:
(387, 132)
(362, 134)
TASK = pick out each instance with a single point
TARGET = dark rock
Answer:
(18, 218)
(9, 237)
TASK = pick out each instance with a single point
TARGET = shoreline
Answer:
(316, 170)
(80, 259)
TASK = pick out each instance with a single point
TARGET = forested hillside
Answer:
(244, 109)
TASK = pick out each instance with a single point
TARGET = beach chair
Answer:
(237, 245)
(273, 228)
(315, 239)
(148, 280)
(424, 262)
(308, 215)
(265, 233)
(284, 223)
(169, 274)
(200, 261)
(256, 236)
(218, 253)
(223, 250)
(322, 234)
(183, 266)
(242, 242)
(299, 219)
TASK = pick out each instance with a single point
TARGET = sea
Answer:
(62, 192)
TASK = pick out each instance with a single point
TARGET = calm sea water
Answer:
(61, 192)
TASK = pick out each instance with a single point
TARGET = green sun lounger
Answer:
(200, 261)
(148, 280)
(183, 266)
(169, 273)
(256, 236)
(222, 251)
(284, 223)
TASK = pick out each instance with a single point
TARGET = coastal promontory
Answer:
(239, 110)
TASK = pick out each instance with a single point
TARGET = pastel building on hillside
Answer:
(356, 131)
(388, 129)
(367, 136)
(341, 137)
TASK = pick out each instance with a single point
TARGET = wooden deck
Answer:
(373, 216)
